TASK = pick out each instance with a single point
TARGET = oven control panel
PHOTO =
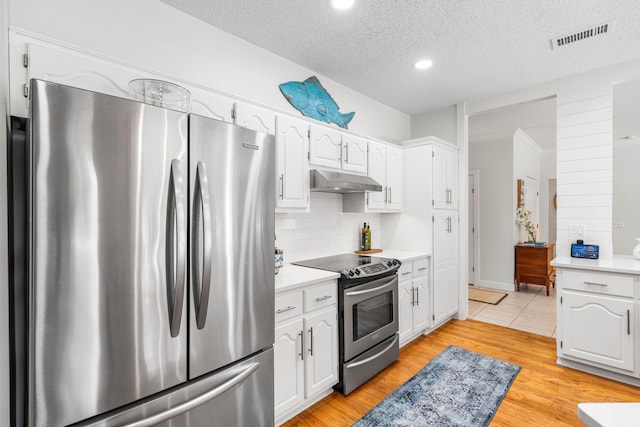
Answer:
(371, 270)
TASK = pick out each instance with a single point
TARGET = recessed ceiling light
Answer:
(423, 64)
(341, 4)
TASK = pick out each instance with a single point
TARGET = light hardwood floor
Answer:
(543, 394)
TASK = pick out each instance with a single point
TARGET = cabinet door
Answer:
(321, 336)
(394, 179)
(598, 328)
(405, 309)
(288, 366)
(354, 158)
(255, 118)
(439, 177)
(325, 147)
(452, 178)
(377, 170)
(421, 310)
(292, 174)
(445, 264)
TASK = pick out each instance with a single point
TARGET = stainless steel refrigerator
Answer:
(148, 291)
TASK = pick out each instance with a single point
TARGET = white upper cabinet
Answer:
(376, 200)
(329, 148)
(354, 154)
(292, 169)
(445, 178)
(255, 118)
(394, 181)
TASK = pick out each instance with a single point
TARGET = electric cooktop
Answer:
(353, 266)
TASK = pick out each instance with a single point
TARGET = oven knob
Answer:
(351, 273)
(357, 271)
(395, 262)
(389, 263)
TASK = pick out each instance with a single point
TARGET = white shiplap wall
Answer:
(584, 167)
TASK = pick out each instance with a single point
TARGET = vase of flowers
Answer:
(524, 218)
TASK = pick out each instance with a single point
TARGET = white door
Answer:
(440, 178)
(377, 171)
(354, 157)
(325, 147)
(421, 304)
(292, 174)
(321, 336)
(405, 310)
(472, 226)
(599, 329)
(394, 178)
(255, 118)
(452, 178)
(288, 366)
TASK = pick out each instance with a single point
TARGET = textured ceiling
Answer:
(480, 48)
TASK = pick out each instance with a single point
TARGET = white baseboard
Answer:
(496, 285)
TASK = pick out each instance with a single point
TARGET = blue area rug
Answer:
(457, 388)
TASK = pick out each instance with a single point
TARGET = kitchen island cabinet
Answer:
(598, 306)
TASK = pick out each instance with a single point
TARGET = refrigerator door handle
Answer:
(203, 208)
(176, 247)
(195, 402)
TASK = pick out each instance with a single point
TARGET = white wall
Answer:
(155, 36)
(325, 230)
(441, 123)
(547, 172)
(526, 166)
(495, 189)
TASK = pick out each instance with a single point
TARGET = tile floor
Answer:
(529, 310)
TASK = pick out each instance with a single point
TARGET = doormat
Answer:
(487, 297)
(457, 388)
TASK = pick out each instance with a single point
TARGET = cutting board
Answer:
(370, 251)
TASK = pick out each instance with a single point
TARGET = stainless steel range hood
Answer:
(340, 182)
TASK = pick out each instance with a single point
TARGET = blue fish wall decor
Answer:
(313, 100)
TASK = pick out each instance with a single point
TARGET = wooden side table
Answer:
(533, 265)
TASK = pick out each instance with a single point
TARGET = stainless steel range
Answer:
(368, 314)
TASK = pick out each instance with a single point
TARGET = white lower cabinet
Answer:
(414, 299)
(596, 313)
(306, 347)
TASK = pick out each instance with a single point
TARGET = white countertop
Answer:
(403, 256)
(292, 276)
(609, 414)
(617, 264)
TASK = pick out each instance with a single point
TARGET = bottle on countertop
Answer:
(368, 237)
(363, 237)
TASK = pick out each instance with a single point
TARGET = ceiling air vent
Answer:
(596, 30)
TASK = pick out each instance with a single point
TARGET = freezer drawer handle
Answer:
(200, 400)
(201, 210)
(176, 247)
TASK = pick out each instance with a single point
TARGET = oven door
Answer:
(370, 314)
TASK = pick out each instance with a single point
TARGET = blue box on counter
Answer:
(585, 251)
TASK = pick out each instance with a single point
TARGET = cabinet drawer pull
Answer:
(406, 272)
(596, 284)
(422, 268)
(282, 310)
(323, 298)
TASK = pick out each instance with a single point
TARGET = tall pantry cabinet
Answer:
(430, 220)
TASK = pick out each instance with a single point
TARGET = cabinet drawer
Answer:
(406, 271)
(609, 284)
(421, 267)
(320, 296)
(288, 305)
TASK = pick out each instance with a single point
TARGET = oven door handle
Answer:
(368, 291)
(369, 359)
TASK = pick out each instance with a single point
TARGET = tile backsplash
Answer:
(324, 231)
